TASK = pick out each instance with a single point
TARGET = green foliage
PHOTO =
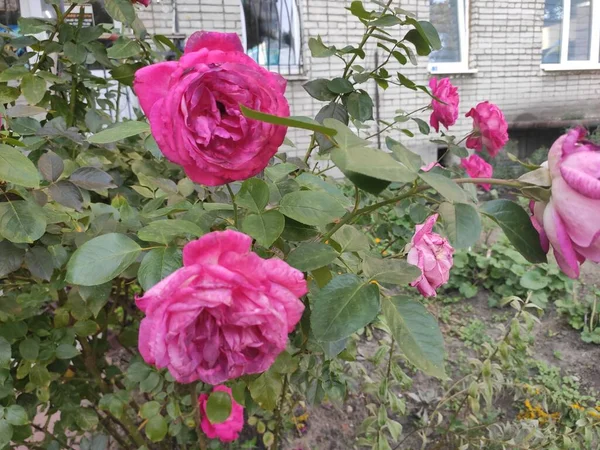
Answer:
(503, 272)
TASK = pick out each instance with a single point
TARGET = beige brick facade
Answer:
(505, 52)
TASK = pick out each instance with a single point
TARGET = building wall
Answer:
(505, 51)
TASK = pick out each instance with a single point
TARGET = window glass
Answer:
(580, 30)
(552, 31)
(444, 16)
(270, 31)
(10, 11)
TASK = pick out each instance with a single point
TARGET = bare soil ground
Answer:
(333, 427)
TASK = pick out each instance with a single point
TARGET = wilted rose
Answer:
(570, 220)
(431, 253)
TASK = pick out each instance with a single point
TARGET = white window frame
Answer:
(283, 69)
(441, 68)
(565, 64)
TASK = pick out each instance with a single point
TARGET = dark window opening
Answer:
(443, 156)
(271, 32)
(10, 11)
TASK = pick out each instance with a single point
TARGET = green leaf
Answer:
(445, 186)
(120, 10)
(119, 132)
(39, 375)
(318, 89)
(16, 415)
(372, 163)
(156, 428)
(101, 259)
(360, 106)
(410, 159)
(335, 111)
(311, 256)
(138, 372)
(350, 239)
(357, 9)
(462, 223)
(279, 171)
(16, 168)
(265, 228)
(33, 88)
(392, 271)
(39, 262)
(76, 53)
(5, 353)
(22, 221)
(534, 280)
(218, 407)
(150, 409)
(157, 264)
(286, 121)
(517, 226)
(85, 327)
(342, 307)
(67, 194)
(318, 184)
(86, 418)
(95, 297)
(421, 44)
(66, 351)
(29, 349)
(387, 20)
(254, 195)
(92, 179)
(6, 433)
(11, 258)
(266, 390)
(51, 166)
(417, 334)
(124, 48)
(125, 73)
(423, 126)
(164, 231)
(428, 32)
(8, 94)
(340, 86)
(311, 208)
(320, 50)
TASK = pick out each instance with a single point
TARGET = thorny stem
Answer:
(311, 147)
(278, 413)
(50, 435)
(59, 22)
(235, 208)
(367, 35)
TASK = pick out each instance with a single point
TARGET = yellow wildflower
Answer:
(377, 240)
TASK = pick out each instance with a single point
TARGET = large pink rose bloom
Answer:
(146, 3)
(490, 129)
(476, 167)
(227, 431)
(431, 253)
(570, 221)
(444, 113)
(194, 113)
(226, 313)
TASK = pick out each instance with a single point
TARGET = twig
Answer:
(278, 416)
(235, 208)
(50, 435)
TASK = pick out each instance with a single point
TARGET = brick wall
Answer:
(505, 50)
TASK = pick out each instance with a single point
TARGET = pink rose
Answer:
(428, 167)
(490, 129)
(476, 167)
(569, 221)
(431, 253)
(445, 113)
(193, 108)
(229, 430)
(146, 3)
(226, 313)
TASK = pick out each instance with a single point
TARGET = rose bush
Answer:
(193, 106)
(266, 284)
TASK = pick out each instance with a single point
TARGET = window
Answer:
(450, 18)
(571, 35)
(271, 34)
(10, 11)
